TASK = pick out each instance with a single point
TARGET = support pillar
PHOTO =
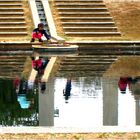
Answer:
(110, 102)
(46, 105)
(137, 112)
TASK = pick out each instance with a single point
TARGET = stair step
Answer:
(82, 9)
(12, 18)
(80, 4)
(10, 29)
(11, 9)
(86, 23)
(95, 19)
(10, 0)
(10, 13)
(88, 34)
(13, 24)
(89, 29)
(93, 33)
(10, 5)
(83, 13)
(86, 18)
(13, 34)
(20, 27)
(90, 9)
(7, 14)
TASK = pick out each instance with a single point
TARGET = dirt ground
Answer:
(127, 18)
(68, 136)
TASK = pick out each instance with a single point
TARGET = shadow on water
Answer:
(83, 92)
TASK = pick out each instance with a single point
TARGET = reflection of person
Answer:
(39, 64)
(44, 63)
(36, 64)
(67, 90)
(39, 32)
(16, 84)
(123, 83)
(43, 87)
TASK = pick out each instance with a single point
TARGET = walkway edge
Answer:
(105, 42)
(47, 130)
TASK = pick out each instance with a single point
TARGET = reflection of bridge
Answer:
(84, 66)
(12, 65)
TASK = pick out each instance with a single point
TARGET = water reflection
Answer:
(93, 102)
(38, 64)
(131, 82)
(90, 106)
(18, 105)
(67, 90)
